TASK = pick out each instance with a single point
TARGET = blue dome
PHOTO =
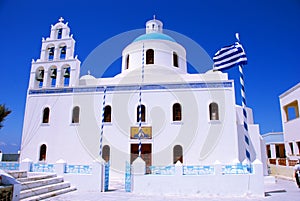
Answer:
(154, 36)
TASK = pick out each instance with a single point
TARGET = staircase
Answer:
(37, 186)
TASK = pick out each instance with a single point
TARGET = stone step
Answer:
(43, 189)
(50, 194)
(43, 182)
(18, 174)
(36, 177)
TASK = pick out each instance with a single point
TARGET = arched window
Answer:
(177, 112)
(66, 75)
(63, 50)
(107, 114)
(213, 111)
(53, 75)
(175, 59)
(127, 62)
(59, 33)
(106, 153)
(177, 154)
(46, 114)
(150, 56)
(43, 150)
(143, 113)
(50, 53)
(75, 114)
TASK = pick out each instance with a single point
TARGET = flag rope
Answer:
(102, 122)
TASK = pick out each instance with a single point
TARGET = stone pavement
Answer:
(282, 190)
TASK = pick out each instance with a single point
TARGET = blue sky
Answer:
(269, 31)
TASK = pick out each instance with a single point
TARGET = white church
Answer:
(190, 118)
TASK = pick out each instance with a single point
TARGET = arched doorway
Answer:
(43, 150)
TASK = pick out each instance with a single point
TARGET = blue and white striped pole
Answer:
(102, 122)
(243, 95)
(140, 105)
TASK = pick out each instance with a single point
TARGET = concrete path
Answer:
(280, 191)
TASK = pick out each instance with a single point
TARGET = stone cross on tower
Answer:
(61, 19)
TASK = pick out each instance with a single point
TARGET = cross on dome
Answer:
(61, 19)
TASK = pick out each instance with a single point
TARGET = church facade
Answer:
(154, 108)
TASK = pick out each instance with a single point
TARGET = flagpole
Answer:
(244, 107)
(140, 107)
(102, 122)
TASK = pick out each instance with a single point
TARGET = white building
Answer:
(274, 144)
(192, 118)
(289, 106)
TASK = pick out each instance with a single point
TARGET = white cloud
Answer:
(2, 143)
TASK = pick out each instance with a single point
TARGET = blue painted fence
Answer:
(78, 169)
(9, 166)
(162, 170)
(128, 178)
(198, 170)
(237, 169)
(42, 167)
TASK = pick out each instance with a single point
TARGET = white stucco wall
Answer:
(290, 128)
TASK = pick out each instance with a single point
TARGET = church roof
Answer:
(154, 36)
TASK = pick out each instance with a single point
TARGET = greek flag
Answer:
(230, 56)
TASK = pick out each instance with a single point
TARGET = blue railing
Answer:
(162, 170)
(198, 170)
(11, 166)
(40, 167)
(78, 169)
(237, 169)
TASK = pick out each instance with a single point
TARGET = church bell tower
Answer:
(57, 67)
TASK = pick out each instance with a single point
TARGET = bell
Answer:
(63, 50)
(67, 72)
(40, 75)
(53, 73)
(51, 51)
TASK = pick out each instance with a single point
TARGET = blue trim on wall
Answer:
(131, 88)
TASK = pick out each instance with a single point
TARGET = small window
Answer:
(106, 153)
(127, 62)
(59, 33)
(75, 114)
(150, 56)
(63, 51)
(292, 148)
(142, 112)
(176, 112)
(291, 110)
(213, 111)
(175, 59)
(51, 53)
(46, 114)
(177, 154)
(107, 114)
(43, 150)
